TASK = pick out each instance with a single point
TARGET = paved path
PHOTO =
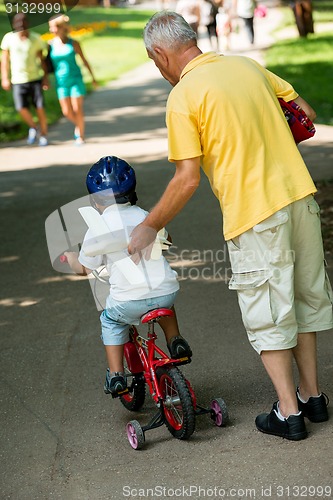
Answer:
(61, 437)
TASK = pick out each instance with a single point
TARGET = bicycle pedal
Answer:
(120, 393)
(182, 361)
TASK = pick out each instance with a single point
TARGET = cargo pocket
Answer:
(273, 222)
(313, 206)
(254, 299)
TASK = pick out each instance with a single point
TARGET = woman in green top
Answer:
(70, 86)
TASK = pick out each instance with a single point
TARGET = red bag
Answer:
(300, 125)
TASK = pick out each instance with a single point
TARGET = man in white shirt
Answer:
(22, 70)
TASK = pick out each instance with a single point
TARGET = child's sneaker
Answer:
(32, 136)
(115, 383)
(179, 348)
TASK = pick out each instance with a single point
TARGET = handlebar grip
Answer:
(63, 259)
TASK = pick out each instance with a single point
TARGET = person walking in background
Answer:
(245, 10)
(223, 115)
(69, 82)
(302, 10)
(22, 69)
(208, 13)
(224, 24)
(190, 10)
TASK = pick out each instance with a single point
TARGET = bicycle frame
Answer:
(147, 362)
(144, 357)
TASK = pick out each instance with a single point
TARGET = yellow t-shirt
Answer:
(225, 110)
(24, 64)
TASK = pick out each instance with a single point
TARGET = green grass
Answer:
(111, 53)
(307, 63)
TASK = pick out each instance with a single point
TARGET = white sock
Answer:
(281, 417)
(278, 414)
(302, 400)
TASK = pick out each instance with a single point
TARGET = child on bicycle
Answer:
(111, 183)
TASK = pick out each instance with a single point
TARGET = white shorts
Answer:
(278, 270)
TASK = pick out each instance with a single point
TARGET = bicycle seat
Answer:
(154, 314)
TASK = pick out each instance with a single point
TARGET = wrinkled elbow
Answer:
(191, 186)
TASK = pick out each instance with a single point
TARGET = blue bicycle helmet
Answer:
(111, 180)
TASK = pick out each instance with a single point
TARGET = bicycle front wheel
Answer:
(177, 402)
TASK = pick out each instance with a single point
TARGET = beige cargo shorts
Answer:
(278, 270)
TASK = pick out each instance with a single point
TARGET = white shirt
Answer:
(157, 276)
(24, 64)
(245, 8)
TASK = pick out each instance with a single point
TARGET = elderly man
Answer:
(223, 115)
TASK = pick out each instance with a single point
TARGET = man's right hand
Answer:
(141, 243)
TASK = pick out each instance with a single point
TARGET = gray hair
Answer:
(168, 29)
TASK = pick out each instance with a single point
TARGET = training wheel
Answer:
(135, 434)
(219, 412)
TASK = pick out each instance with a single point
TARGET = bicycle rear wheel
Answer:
(134, 399)
(177, 402)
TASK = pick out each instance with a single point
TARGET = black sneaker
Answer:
(315, 409)
(179, 348)
(292, 427)
(115, 384)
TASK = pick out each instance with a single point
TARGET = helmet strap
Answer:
(128, 198)
(132, 198)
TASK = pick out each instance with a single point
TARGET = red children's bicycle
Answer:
(148, 365)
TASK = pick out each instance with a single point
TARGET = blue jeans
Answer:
(118, 317)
